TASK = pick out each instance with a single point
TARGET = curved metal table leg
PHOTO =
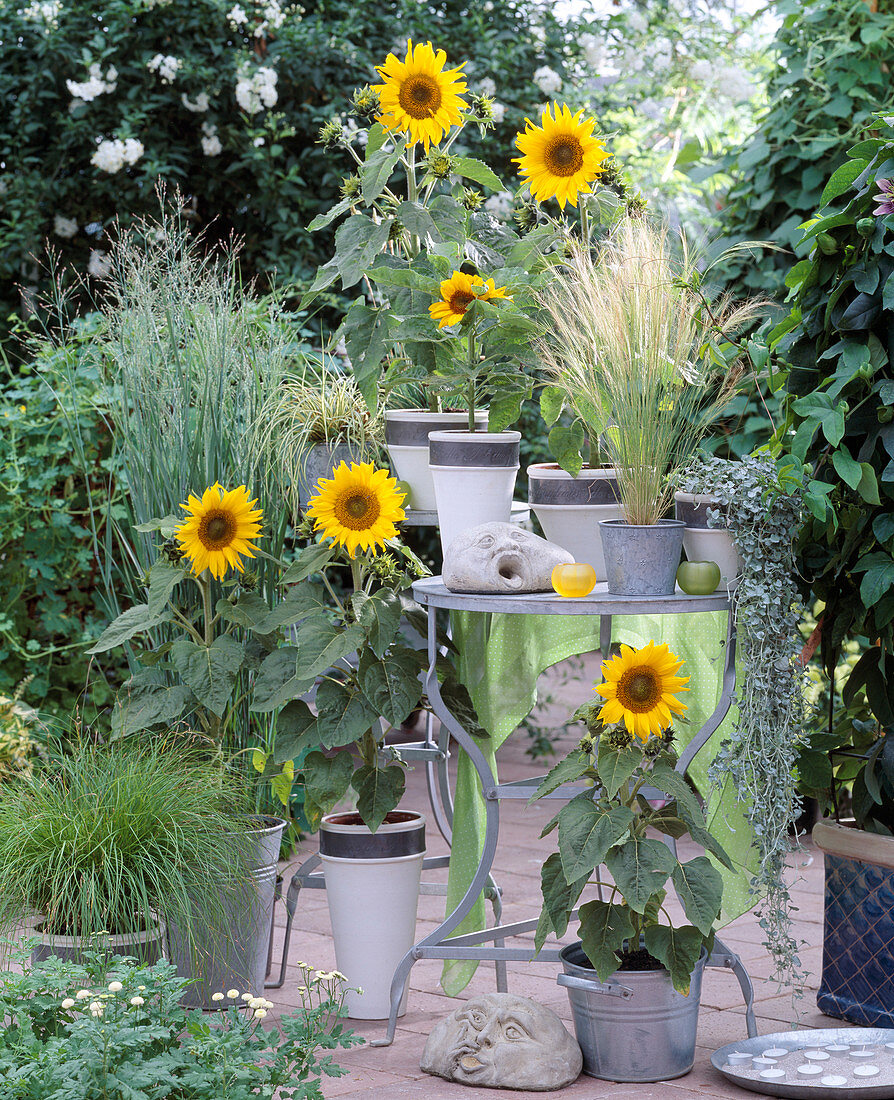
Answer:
(723, 957)
(299, 879)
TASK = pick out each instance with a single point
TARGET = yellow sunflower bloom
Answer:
(639, 689)
(419, 97)
(561, 156)
(218, 528)
(457, 294)
(357, 507)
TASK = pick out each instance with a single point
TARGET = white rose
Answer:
(64, 227)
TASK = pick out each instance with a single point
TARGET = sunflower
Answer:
(419, 97)
(357, 507)
(458, 292)
(639, 689)
(561, 155)
(218, 528)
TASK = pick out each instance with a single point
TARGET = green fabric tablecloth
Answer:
(501, 659)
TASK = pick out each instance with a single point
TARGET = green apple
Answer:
(698, 578)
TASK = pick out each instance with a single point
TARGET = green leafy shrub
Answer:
(838, 343)
(833, 72)
(94, 1033)
(49, 604)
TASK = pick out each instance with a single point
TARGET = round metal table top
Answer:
(432, 592)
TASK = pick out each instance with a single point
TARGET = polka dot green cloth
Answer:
(501, 659)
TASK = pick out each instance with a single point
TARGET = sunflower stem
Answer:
(357, 574)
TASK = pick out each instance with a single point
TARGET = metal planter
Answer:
(642, 559)
(635, 1027)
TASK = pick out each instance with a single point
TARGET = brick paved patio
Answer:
(392, 1072)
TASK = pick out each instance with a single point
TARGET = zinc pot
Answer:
(372, 885)
(704, 543)
(406, 440)
(857, 982)
(147, 947)
(321, 460)
(474, 476)
(641, 559)
(238, 958)
(634, 1027)
(570, 508)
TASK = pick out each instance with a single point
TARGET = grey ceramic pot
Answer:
(642, 559)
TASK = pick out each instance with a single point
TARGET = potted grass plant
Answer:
(628, 941)
(311, 423)
(115, 844)
(632, 331)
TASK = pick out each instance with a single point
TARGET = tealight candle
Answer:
(775, 1052)
(889, 1046)
(833, 1080)
(738, 1058)
(772, 1074)
(838, 1048)
(809, 1070)
(816, 1055)
(865, 1071)
(862, 1053)
(763, 1063)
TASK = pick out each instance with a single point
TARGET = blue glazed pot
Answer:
(858, 942)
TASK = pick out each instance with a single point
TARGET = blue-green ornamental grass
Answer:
(70, 1032)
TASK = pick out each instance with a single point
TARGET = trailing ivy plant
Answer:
(760, 503)
(838, 386)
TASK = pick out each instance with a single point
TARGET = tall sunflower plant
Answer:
(604, 840)
(341, 648)
(416, 235)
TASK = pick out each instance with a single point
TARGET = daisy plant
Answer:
(236, 647)
(606, 833)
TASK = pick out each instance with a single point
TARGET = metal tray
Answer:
(806, 1040)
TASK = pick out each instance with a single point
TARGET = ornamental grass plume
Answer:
(635, 343)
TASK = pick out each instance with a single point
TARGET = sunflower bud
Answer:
(636, 206)
(482, 107)
(619, 737)
(397, 231)
(610, 176)
(351, 187)
(472, 198)
(439, 164)
(525, 217)
(332, 134)
(365, 102)
(172, 552)
(588, 744)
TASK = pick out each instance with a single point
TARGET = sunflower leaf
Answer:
(572, 767)
(615, 766)
(640, 867)
(326, 778)
(700, 889)
(210, 671)
(312, 559)
(357, 243)
(392, 687)
(377, 168)
(344, 714)
(603, 930)
(135, 620)
(471, 169)
(379, 615)
(379, 790)
(586, 833)
(367, 333)
(559, 898)
(277, 681)
(678, 949)
(671, 783)
(295, 731)
(320, 644)
(145, 701)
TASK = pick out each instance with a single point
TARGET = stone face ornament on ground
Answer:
(503, 1041)
(501, 557)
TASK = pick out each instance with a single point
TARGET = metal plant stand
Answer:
(489, 943)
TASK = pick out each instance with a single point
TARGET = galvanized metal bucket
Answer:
(641, 559)
(634, 1027)
(241, 961)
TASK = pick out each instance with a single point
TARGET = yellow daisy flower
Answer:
(561, 156)
(639, 689)
(458, 292)
(419, 96)
(358, 507)
(218, 528)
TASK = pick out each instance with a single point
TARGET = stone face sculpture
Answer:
(505, 1042)
(501, 557)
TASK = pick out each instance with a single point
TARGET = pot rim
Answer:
(120, 939)
(553, 471)
(427, 414)
(642, 526)
(696, 498)
(411, 819)
(461, 435)
(849, 842)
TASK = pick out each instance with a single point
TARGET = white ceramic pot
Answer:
(704, 543)
(372, 885)
(406, 440)
(474, 475)
(717, 545)
(569, 508)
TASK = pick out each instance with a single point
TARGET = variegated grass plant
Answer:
(317, 405)
(636, 345)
